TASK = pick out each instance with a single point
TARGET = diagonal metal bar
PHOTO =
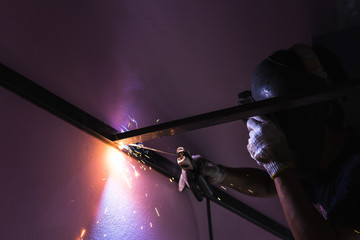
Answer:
(54, 104)
(234, 113)
(232, 204)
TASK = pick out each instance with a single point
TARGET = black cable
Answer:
(209, 218)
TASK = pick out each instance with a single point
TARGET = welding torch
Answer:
(196, 182)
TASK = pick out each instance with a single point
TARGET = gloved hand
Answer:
(214, 174)
(267, 145)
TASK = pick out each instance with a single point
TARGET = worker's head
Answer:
(289, 71)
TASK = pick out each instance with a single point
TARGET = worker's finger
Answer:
(252, 133)
(196, 157)
(183, 181)
(251, 124)
(181, 185)
(261, 118)
(254, 122)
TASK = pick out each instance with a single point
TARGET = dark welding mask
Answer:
(286, 72)
(281, 74)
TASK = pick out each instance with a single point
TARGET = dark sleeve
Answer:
(308, 187)
(345, 209)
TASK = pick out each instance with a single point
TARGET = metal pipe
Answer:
(234, 113)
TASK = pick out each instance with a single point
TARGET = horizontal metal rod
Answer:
(234, 113)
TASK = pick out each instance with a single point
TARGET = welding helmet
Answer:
(281, 74)
(297, 69)
(294, 70)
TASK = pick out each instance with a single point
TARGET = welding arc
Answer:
(152, 149)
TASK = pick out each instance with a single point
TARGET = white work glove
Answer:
(267, 145)
(214, 174)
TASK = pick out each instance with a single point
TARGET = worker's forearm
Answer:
(249, 181)
(304, 220)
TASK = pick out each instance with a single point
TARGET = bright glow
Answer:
(123, 205)
(121, 166)
(121, 146)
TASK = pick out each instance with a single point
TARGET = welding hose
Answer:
(209, 218)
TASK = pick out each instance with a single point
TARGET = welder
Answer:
(311, 162)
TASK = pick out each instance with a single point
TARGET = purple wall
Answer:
(151, 60)
(56, 180)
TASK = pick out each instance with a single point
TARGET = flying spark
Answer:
(83, 231)
(157, 212)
